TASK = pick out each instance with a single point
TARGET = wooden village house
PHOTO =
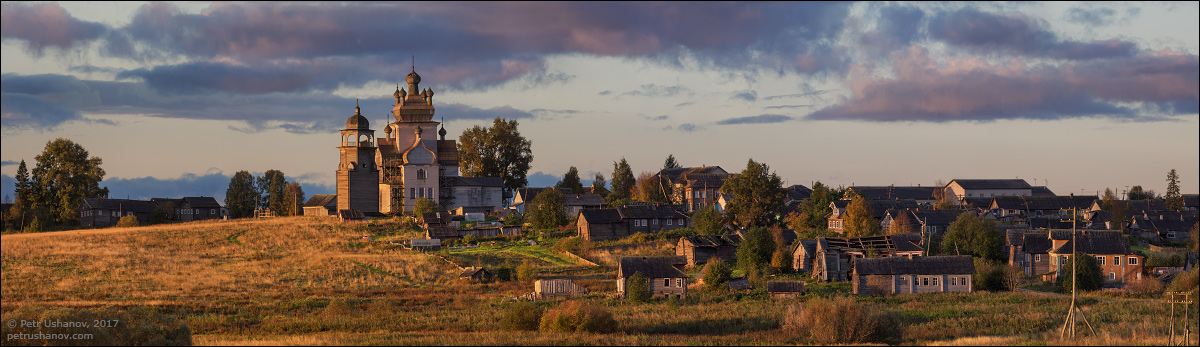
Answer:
(1045, 252)
(609, 224)
(785, 289)
(97, 212)
(664, 275)
(557, 288)
(911, 275)
(833, 258)
(321, 205)
(699, 249)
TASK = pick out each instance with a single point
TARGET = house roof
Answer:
(935, 217)
(809, 246)
(1191, 201)
(1042, 191)
(472, 271)
(713, 241)
(681, 174)
(1166, 225)
(528, 194)
(785, 287)
(447, 152)
(974, 202)
(884, 243)
(651, 211)
(323, 200)
(894, 193)
(137, 206)
(651, 267)
(935, 265)
(1043, 203)
(798, 192)
(201, 202)
(1096, 242)
(477, 181)
(435, 218)
(600, 216)
(991, 183)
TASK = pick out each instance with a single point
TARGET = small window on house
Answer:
(679, 282)
(1116, 260)
(654, 221)
(644, 223)
(953, 281)
(1112, 276)
(1101, 259)
(669, 221)
(1139, 275)
(666, 282)
(1037, 257)
(935, 281)
(925, 281)
(681, 221)
(1132, 260)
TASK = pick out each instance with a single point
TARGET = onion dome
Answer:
(357, 121)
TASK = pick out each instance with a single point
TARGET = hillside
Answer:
(306, 280)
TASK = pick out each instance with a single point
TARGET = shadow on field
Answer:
(709, 326)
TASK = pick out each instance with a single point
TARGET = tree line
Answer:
(49, 195)
(247, 193)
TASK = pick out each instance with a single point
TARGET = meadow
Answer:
(307, 280)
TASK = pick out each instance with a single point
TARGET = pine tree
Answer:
(571, 180)
(670, 163)
(1174, 200)
(599, 185)
(622, 181)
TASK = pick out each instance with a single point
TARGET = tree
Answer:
(21, 206)
(293, 199)
(1088, 274)
(781, 258)
(637, 288)
(526, 273)
(1174, 200)
(860, 219)
(813, 211)
(1196, 237)
(272, 190)
(670, 163)
(64, 176)
(1137, 193)
(549, 210)
(716, 273)
(648, 188)
(755, 250)
(972, 235)
(902, 224)
(571, 180)
(241, 196)
(757, 195)
(622, 181)
(498, 151)
(1119, 210)
(599, 185)
(707, 221)
(425, 205)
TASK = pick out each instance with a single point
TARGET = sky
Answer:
(177, 97)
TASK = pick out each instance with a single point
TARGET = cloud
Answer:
(896, 28)
(1141, 88)
(1095, 17)
(606, 92)
(797, 95)
(685, 127)
(46, 25)
(659, 117)
(686, 103)
(1017, 34)
(9, 162)
(759, 119)
(464, 112)
(750, 96)
(785, 106)
(8, 188)
(23, 111)
(541, 179)
(213, 183)
(656, 91)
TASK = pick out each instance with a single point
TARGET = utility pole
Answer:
(1071, 312)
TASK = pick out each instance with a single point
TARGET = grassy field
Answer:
(304, 281)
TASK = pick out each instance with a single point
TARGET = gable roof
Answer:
(935, 217)
(991, 183)
(935, 265)
(713, 241)
(1096, 242)
(884, 243)
(1042, 191)
(1043, 203)
(582, 200)
(600, 216)
(651, 267)
(798, 192)
(785, 287)
(136, 206)
(654, 211)
(1191, 200)
(323, 200)
(528, 194)
(201, 202)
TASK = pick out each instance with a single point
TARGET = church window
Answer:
(421, 174)
(412, 193)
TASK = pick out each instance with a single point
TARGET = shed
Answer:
(476, 274)
(557, 287)
(785, 289)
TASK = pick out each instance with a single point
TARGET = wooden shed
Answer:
(557, 287)
(476, 274)
(785, 289)
(900, 275)
(699, 249)
(664, 275)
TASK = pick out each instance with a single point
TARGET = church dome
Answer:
(357, 121)
(413, 78)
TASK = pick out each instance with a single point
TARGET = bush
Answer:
(840, 320)
(637, 288)
(717, 273)
(1187, 282)
(128, 221)
(1148, 285)
(1089, 274)
(575, 316)
(521, 316)
(989, 275)
(132, 327)
(526, 273)
(1160, 259)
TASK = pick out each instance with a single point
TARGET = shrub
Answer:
(526, 273)
(521, 316)
(575, 316)
(840, 320)
(1089, 274)
(1148, 285)
(989, 275)
(637, 288)
(128, 221)
(716, 273)
(1187, 282)
(132, 327)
